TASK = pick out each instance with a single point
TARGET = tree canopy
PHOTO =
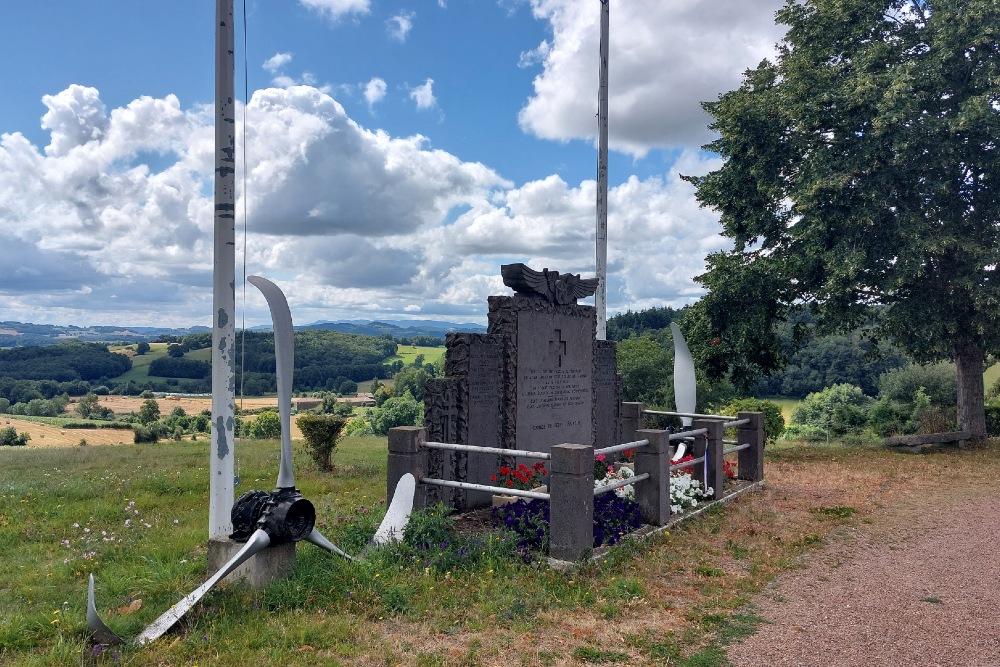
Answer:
(860, 182)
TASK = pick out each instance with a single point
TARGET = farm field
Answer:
(407, 353)
(54, 435)
(46, 435)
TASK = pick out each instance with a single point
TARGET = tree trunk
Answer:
(970, 361)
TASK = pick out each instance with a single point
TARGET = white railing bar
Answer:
(688, 434)
(617, 484)
(730, 442)
(687, 464)
(745, 445)
(488, 450)
(499, 490)
(692, 415)
(738, 422)
(621, 448)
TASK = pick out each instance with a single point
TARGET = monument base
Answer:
(274, 562)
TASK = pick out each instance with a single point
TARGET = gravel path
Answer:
(919, 586)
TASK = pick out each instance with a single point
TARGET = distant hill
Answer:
(397, 328)
(25, 334)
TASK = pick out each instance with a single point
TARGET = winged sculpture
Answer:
(558, 288)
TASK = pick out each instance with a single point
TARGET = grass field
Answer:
(788, 406)
(140, 363)
(136, 517)
(991, 376)
(407, 353)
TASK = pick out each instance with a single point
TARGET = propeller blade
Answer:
(685, 385)
(317, 538)
(679, 454)
(391, 528)
(398, 514)
(100, 632)
(284, 352)
(258, 541)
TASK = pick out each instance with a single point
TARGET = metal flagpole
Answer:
(223, 280)
(601, 297)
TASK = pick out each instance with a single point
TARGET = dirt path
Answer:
(920, 585)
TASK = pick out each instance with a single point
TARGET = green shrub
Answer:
(265, 426)
(358, 426)
(839, 409)
(993, 420)
(803, 432)
(9, 437)
(396, 411)
(887, 417)
(149, 411)
(940, 381)
(321, 433)
(774, 422)
(144, 434)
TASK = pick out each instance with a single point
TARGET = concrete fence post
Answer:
(407, 455)
(632, 421)
(751, 461)
(713, 439)
(571, 503)
(653, 495)
(698, 448)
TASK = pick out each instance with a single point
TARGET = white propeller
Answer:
(685, 385)
(282, 516)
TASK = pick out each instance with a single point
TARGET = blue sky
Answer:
(398, 152)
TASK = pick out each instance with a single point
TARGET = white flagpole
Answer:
(601, 298)
(223, 280)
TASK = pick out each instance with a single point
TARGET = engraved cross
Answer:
(449, 421)
(557, 348)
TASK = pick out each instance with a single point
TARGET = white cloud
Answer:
(75, 118)
(665, 59)
(374, 91)
(277, 61)
(335, 9)
(112, 222)
(423, 95)
(399, 25)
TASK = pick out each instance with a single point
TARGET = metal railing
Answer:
(692, 415)
(621, 448)
(499, 490)
(617, 484)
(488, 450)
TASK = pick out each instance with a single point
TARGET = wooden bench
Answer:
(915, 444)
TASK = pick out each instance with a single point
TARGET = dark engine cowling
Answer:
(283, 514)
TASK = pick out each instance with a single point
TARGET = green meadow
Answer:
(407, 353)
(136, 517)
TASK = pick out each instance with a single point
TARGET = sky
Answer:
(396, 152)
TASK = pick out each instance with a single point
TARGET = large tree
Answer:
(860, 180)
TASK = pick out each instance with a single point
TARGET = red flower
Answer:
(716, 341)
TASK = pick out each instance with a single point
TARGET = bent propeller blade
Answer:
(284, 350)
(391, 528)
(258, 541)
(398, 514)
(685, 385)
(317, 538)
(100, 632)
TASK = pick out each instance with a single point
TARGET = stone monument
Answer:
(536, 379)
